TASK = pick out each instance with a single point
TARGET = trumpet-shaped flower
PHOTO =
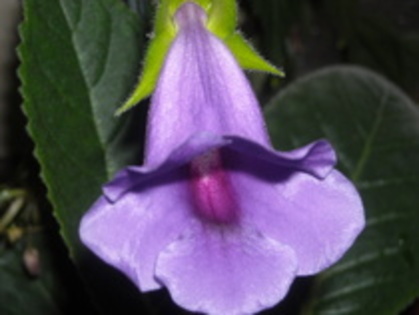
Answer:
(215, 215)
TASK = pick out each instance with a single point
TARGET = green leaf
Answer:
(79, 60)
(374, 128)
(373, 36)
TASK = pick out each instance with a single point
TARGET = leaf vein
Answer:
(367, 148)
(361, 260)
(354, 288)
(108, 46)
(85, 83)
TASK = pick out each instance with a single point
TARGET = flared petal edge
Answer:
(229, 272)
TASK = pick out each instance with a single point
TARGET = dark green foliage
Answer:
(375, 130)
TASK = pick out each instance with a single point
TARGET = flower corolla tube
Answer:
(215, 214)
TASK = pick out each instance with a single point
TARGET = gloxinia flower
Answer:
(215, 215)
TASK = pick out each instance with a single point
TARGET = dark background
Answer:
(299, 35)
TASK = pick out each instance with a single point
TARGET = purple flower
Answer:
(215, 215)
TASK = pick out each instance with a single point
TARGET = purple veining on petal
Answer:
(190, 17)
(201, 89)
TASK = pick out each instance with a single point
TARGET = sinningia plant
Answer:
(215, 214)
(206, 216)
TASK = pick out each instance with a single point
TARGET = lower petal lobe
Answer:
(226, 271)
(318, 218)
(130, 232)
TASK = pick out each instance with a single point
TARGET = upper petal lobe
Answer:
(201, 88)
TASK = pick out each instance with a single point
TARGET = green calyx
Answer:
(222, 20)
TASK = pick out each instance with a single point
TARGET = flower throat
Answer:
(212, 193)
